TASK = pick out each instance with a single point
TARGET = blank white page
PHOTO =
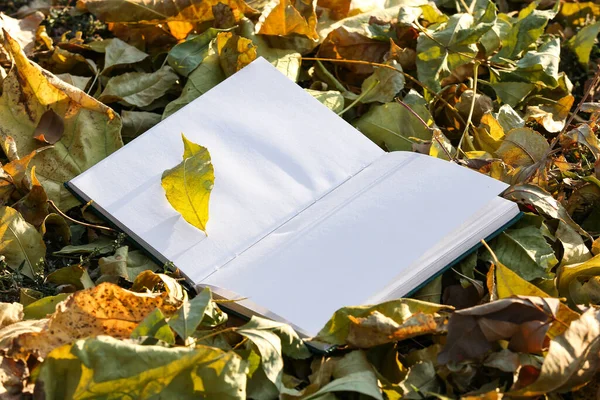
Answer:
(358, 239)
(275, 150)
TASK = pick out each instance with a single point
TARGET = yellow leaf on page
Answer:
(188, 185)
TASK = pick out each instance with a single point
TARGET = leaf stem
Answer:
(359, 98)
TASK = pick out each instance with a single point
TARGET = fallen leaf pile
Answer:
(509, 89)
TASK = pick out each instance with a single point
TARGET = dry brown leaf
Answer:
(106, 309)
(286, 17)
(552, 116)
(338, 8)
(50, 128)
(522, 320)
(34, 205)
(342, 44)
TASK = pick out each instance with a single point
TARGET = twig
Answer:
(79, 222)
(434, 137)
(410, 77)
(466, 131)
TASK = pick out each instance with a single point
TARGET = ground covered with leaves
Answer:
(507, 88)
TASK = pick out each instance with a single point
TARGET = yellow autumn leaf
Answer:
(188, 185)
(90, 131)
(489, 135)
(285, 17)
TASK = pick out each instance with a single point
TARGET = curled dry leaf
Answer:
(553, 116)
(572, 359)
(34, 205)
(106, 309)
(376, 329)
(523, 321)
(338, 328)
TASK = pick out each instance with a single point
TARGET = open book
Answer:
(307, 215)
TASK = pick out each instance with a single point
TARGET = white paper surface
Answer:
(357, 240)
(274, 148)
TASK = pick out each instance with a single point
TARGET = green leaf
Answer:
(43, 307)
(583, 42)
(351, 373)
(541, 65)
(291, 344)
(572, 358)
(188, 185)
(391, 125)
(139, 88)
(525, 31)
(268, 345)
(190, 314)
(117, 52)
(186, 56)
(20, 243)
(525, 251)
(208, 75)
(383, 85)
(103, 366)
(154, 325)
(512, 93)
(421, 379)
(331, 99)
(137, 122)
(337, 329)
(451, 45)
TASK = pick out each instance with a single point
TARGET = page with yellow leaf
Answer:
(275, 151)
